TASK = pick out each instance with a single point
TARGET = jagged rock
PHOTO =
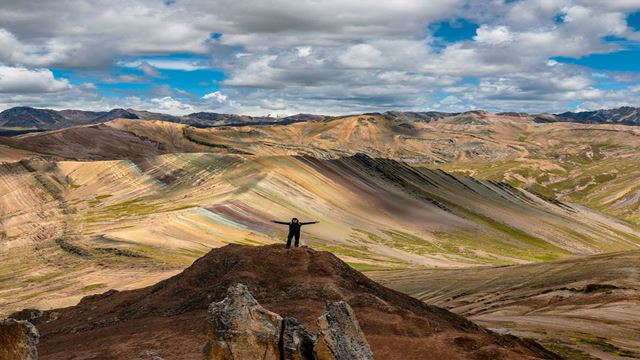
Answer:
(340, 336)
(239, 328)
(297, 342)
(27, 314)
(18, 340)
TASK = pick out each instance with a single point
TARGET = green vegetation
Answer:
(134, 207)
(475, 246)
(36, 294)
(45, 277)
(503, 240)
(601, 343)
(74, 186)
(371, 267)
(92, 287)
(574, 170)
(567, 352)
(398, 240)
(98, 199)
(129, 208)
(355, 251)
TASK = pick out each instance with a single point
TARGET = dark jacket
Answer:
(295, 227)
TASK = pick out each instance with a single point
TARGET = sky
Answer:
(282, 57)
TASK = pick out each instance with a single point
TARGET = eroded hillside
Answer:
(78, 226)
(589, 164)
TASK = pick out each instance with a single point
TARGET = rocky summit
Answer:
(280, 310)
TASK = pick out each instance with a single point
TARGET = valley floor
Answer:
(583, 308)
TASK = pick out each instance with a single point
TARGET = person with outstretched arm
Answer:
(294, 229)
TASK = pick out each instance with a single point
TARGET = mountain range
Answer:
(23, 117)
(406, 197)
(46, 119)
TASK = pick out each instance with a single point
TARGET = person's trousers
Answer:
(291, 236)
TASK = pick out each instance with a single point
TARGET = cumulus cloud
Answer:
(326, 56)
(19, 80)
(216, 96)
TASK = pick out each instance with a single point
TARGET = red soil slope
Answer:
(168, 318)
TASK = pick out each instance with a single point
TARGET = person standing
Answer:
(294, 229)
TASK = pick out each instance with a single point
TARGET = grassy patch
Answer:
(123, 209)
(44, 292)
(567, 352)
(92, 287)
(354, 251)
(371, 267)
(74, 186)
(398, 240)
(98, 199)
(130, 208)
(45, 277)
(601, 343)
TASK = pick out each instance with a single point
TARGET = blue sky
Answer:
(329, 56)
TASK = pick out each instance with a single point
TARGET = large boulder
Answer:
(239, 328)
(340, 336)
(297, 342)
(18, 340)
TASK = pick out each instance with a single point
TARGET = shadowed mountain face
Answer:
(624, 115)
(46, 119)
(169, 316)
(25, 117)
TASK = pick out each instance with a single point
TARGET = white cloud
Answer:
(216, 95)
(304, 51)
(170, 105)
(493, 35)
(326, 56)
(19, 80)
(362, 56)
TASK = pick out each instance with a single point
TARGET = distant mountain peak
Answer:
(48, 119)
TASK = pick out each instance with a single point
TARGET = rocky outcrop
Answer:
(297, 342)
(18, 340)
(239, 328)
(340, 336)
